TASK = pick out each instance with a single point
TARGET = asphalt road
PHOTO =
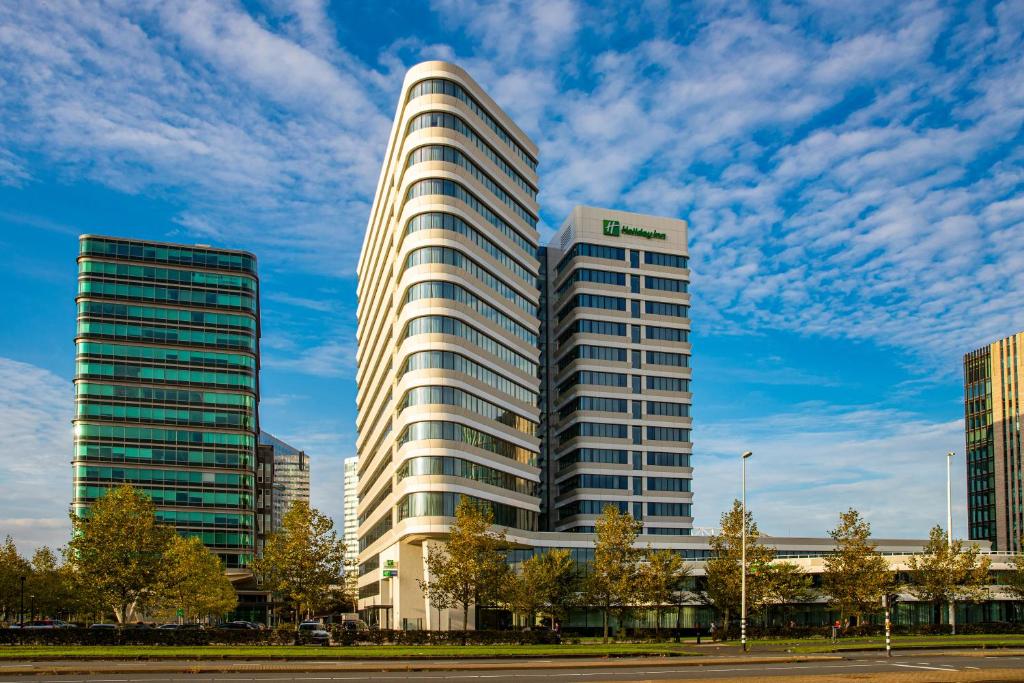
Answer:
(930, 666)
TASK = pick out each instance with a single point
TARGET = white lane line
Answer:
(929, 668)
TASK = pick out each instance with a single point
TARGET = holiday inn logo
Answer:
(614, 228)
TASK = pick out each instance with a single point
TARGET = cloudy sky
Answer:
(852, 174)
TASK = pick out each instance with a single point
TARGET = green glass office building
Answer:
(167, 384)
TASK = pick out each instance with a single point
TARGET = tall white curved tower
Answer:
(447, 330)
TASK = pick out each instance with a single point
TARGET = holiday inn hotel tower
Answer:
(167, 385)
(542, 383)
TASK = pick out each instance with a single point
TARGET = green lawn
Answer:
(350, 652)
(820, 645)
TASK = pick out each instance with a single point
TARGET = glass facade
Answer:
(166, 385)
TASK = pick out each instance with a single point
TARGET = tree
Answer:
(855, 575)
(547, 584)
(117, 549)
(945, 573)
(613, 583)
(194, 582)
(304, 561)
(786, 584)
(12, 567)
(48, 583)
(663, 582)
(723, 567)
(471, 568)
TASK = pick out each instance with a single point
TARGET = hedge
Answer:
(283, 636)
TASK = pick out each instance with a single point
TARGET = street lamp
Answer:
(21, 611)
(743, 554)
(949, 530)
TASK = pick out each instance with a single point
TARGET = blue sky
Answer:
(852, 174)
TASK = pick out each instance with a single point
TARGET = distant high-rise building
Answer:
(167, 384)
(351, 504)
(291, 476)
(992, 422)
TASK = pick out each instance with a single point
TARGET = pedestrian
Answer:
(714, 631)
(698, 633)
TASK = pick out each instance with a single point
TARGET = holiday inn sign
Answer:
(615, 228)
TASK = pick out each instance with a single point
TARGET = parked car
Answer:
(169, 627)
(104, 627)
(239, 625)
(353, 625)
(312, 633)
(44, 624)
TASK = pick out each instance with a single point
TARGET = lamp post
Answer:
(743, 553)
(949, 530)
(21, 610)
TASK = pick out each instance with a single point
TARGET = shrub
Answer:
(392, 637)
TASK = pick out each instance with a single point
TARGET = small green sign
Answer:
(614, 228)
(181, 612)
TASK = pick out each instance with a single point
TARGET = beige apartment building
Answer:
(992, 419)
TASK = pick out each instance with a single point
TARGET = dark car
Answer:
(104, 627)
(312, 633)
(239, 625)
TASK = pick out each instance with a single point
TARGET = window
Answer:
(443, 504)
(634, 258)
(436, 220)
(675, 384)
(598, 430)
(599, 455)
(668, 409)
(602, 277)
(638, 435)
(435, 289)
(593, 481)
(592, 251)
(669, 260)
(668, 434)
(634, 284)
(636, 334)
(679, 360)
(454, 257)
(608, 303)
(441, 324)
(453, 396)
(668, 509)
(668, 334)
(662, 308)
(604, 379)
(593, 403)
(453, 431)
(665, 284)
(457, 467)
(663, 459)
(634, 309)
(449, 360)
(636, 360)
(637, 410)
(592, 327)
(590, 507)
(591, 352)
(668, 484)
(666, 531)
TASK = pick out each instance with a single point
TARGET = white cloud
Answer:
(35, 455)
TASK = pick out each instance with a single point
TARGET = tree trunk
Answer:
(605, 621)
(725, 626)
(465, 621)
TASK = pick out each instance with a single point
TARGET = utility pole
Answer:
(21, 610)
(743, 555)
(949, 532)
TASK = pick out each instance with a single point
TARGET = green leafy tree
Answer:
(547, 584)
(12, 567)
(304, 561)
(787, 584)
(724, 566)
(194, 582)
(118, 550)
(1013, 580)
(613, 585)
(663, 579)
(945, 573)
(855, 576)
(470, 570)
(48, 583)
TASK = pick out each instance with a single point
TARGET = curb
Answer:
(196, 667)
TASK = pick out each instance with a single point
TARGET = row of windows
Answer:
(449, 188)
(679, 360)
(375, 532)
(457, 467)
(584, 326)
(173, 295)
(663, 459)
(662, 308)
(668, 409)
(668, 509)
(375, 504)
(369, 590)
(453, 396)
(182, 256)
(668, 484)
(594, 403)
(669, 334)
(596, 455)
(162, 456)
(208, 359)
(436, 220)
(592, 251)
(450, 155)
(655, 258)
(668, 434)
(182, 436)
(593, 481)
(161, 496)
(220, 539)
(453, 431)
(608, 303)
(165, 395)
(438, 504)
(98, 411)
(665, 284)
(594, 377)
(449, 360)
(590, 352)
(164, 335)
(666, 531)
(196, 518)
(674, 384)
(436, 119)
(175, 316)
(441, 324)
(590, 507)
(601, 277)
(453, 292)
(147, 476)
(443, 86)
(171, 275)
(453, 257)
(150, 374)
(601, 430)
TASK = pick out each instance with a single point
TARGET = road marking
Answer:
(930, 668)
